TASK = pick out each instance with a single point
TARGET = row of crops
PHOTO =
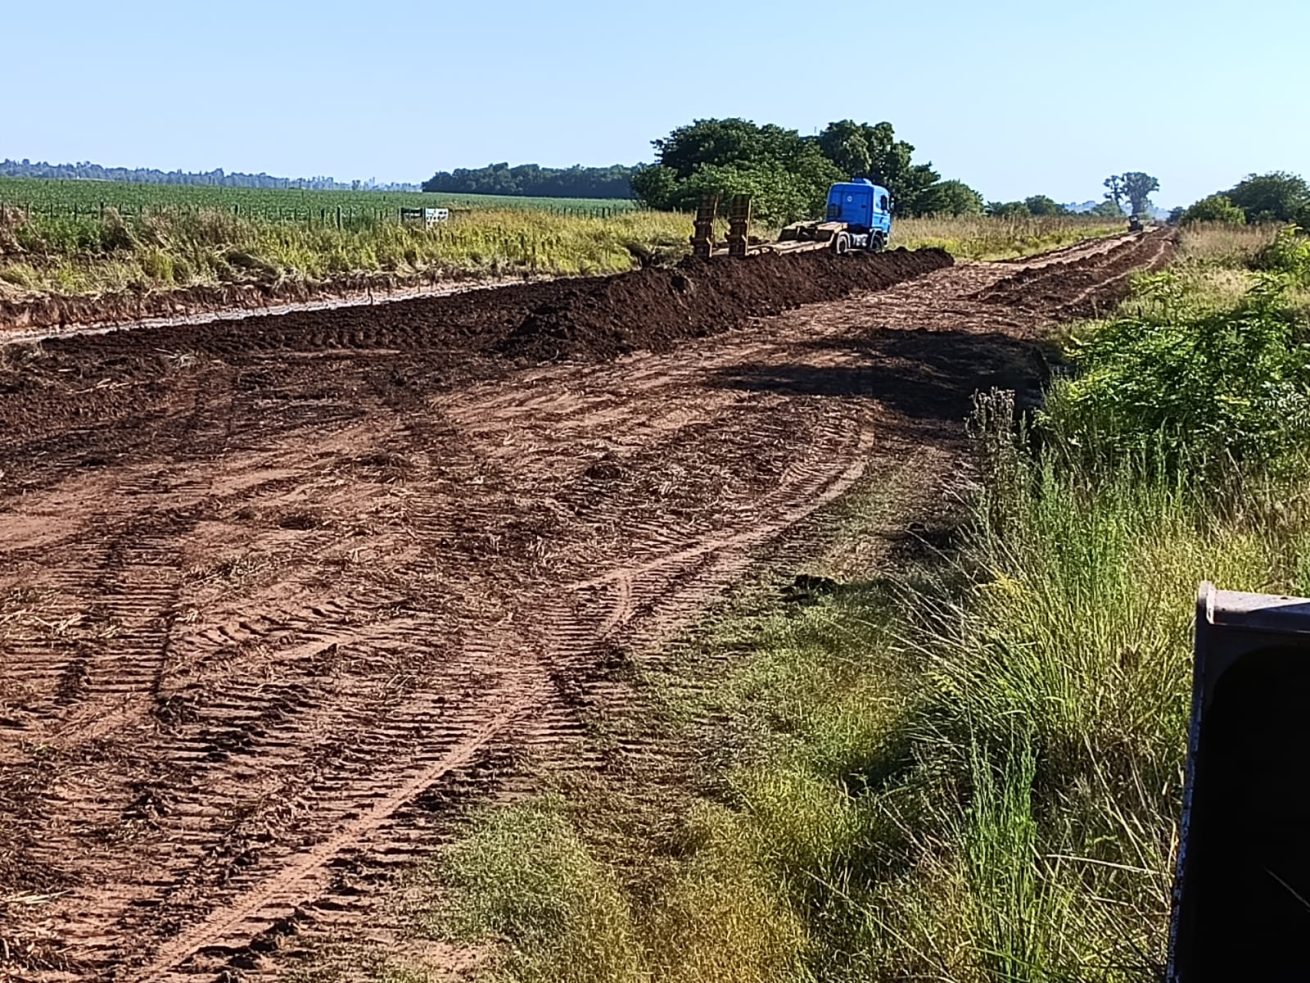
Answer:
(77, 199)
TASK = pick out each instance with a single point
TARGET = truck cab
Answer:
(859, 216)
(864, 208)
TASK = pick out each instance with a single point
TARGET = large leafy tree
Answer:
(950, 198)
(849, 145)
(1007, 209)
(871, 150)
(786, 174)
(1274, 197)
(1043, 205)
(723, 142)
(1114, 191)
(1138, 188)
(1216, 208)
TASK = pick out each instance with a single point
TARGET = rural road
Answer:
(269, 616)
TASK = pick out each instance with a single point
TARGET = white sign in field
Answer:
(427, 216)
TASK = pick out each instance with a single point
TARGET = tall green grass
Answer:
(181, 249)
(1002, 237)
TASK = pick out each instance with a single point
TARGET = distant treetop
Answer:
(535, 181)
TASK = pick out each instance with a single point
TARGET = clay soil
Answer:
(281, 597)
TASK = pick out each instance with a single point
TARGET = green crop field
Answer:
(72, 199)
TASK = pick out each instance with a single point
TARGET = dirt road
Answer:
(276, 601)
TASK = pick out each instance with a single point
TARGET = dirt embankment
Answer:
(54, 313)
(585, 318)
(594, 318)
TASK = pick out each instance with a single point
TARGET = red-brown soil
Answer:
(279, 598)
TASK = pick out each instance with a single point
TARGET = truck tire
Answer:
(841, 245)
(877, 242)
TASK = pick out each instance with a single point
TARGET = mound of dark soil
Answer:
(587, 318)
(656, 308)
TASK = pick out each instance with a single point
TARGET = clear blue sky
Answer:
(1016, 97)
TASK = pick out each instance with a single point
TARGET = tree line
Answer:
(1133, 187)
(787, 175)
(532, 180)
(1274, 197)
(87, 171)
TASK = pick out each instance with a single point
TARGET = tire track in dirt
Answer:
(1083, 286)
(317, 602)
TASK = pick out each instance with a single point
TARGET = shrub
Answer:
(1188, 383)
(1216, 208)
(1288, 254)
(1274, 197)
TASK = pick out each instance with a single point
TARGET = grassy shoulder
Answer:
(175, 249)
(180, 249)
(971, 772)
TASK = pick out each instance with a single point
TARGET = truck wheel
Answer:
(842, 244)
(877, 242)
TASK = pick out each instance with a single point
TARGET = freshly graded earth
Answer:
(280, 597)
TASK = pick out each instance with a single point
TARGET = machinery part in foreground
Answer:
(1242, 886)
(739, 226)
(702, 236)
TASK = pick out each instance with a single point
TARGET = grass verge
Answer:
(1003, 237)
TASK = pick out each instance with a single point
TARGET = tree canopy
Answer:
(872, 151)
(1139, 187)
(1108, 209)
(1216, 208)
(1274, 197)
(1136, 186)
(1043, 205)
(1007, 208)
(1114, 191)
(950, 198)
(535, 180)
(788, 174)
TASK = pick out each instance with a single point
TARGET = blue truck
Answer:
(859, 216)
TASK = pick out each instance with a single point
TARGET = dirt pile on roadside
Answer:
(588, 318)
(654, 309)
